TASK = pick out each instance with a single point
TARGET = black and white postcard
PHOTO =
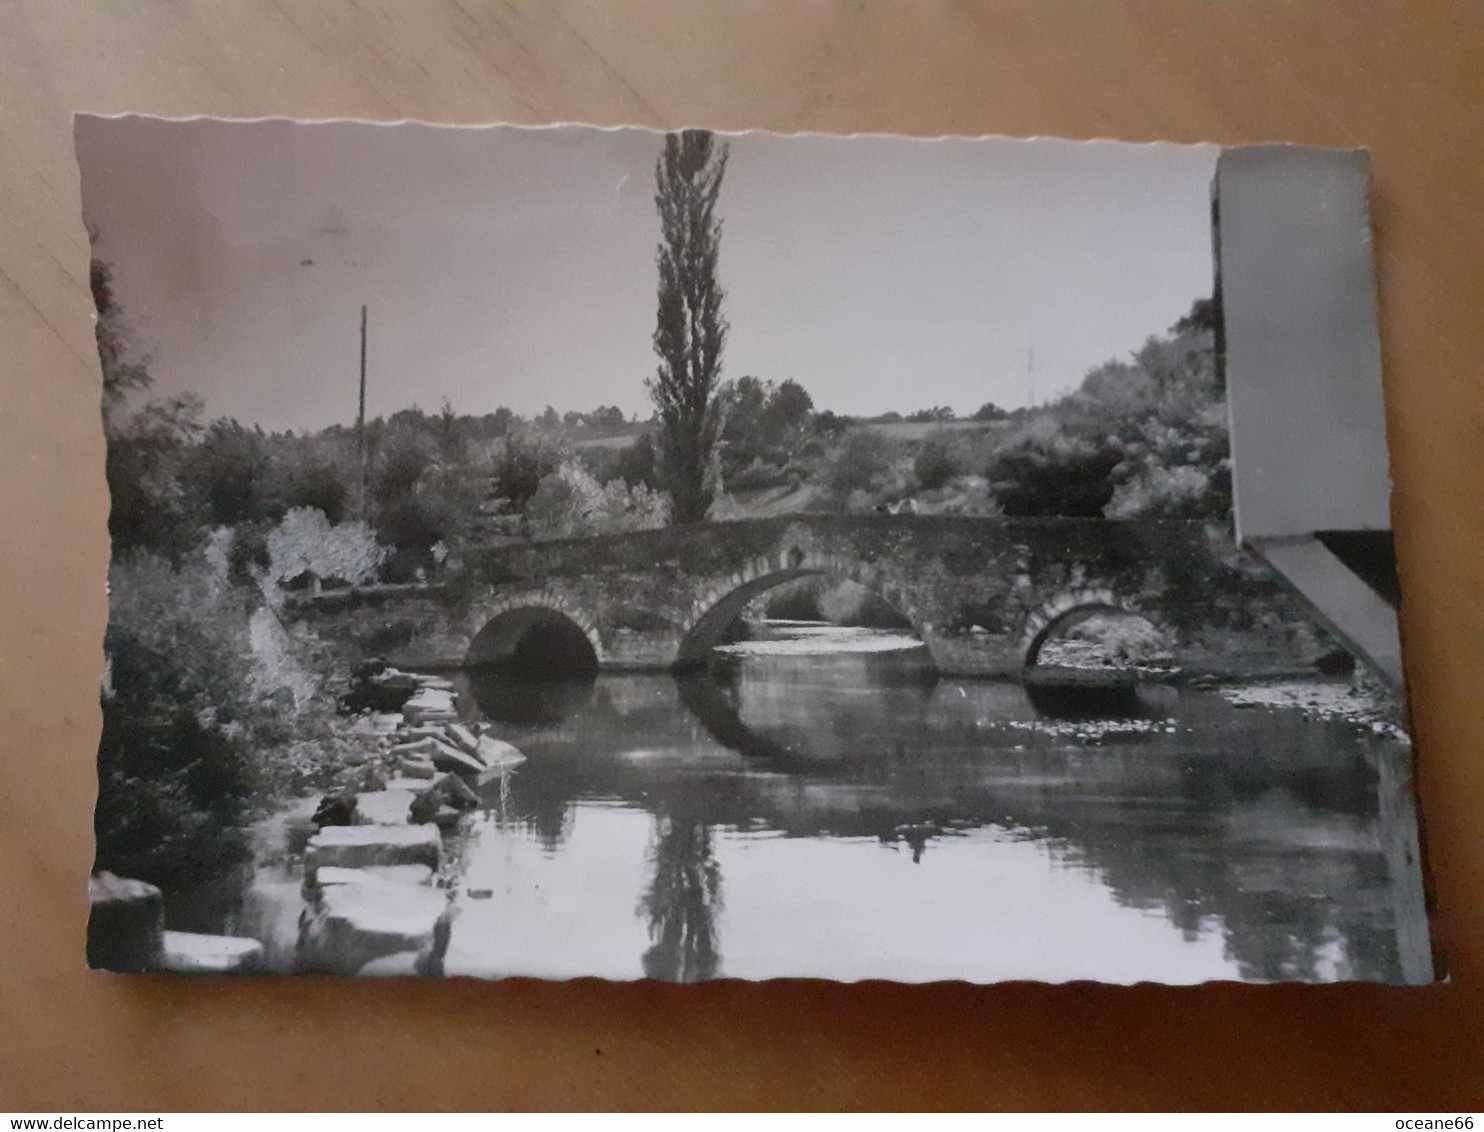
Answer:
(568, 552)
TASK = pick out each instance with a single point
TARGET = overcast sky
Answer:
(515, 267)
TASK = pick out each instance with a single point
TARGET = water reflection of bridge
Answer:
(1265, 823)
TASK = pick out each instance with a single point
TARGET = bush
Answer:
(155, 503)
(827, 423)
(570, 503)
(212, 707)
(305, 543)
(1145, 437)
(304, 473)
(172, 787)
(527, 457)
(1053, 473)
(637, 466)
(934, 465)
(229, 467)
(863, 464)
(758, 476)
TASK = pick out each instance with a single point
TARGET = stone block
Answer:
(357, 846)
(383, 807)
(354, 924)
(429, 703)
(189, 953)
(126, 925)
(332, 875)
(417, 786)
(446, 756)
(464, 739)
(496, 754)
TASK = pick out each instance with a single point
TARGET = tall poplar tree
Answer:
(690, 332)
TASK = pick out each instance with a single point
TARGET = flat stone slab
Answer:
(354, 924)
(429, 702)
(497, 754)
(417, 767)
(332, 875)
(464, 739)
(383, 807)
(357, 846)
(377, 723)
(417, 786)
(446, 756)
(189, 953)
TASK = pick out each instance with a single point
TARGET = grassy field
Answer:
(616, 439)
(921, 430)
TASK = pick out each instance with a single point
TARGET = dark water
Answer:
(845, 815)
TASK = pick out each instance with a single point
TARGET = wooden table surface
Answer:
(1406, 81)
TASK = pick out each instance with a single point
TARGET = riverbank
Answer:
(355, 879)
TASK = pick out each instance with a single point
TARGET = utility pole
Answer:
(1030, 377)
(361, 428)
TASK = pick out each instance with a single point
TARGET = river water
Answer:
(820, 805)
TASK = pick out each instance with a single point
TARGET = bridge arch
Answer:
(720, 603)
(543, 635)
(1068, 607)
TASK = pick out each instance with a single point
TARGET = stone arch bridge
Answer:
(982, 594)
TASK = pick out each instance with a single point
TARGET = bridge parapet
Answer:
(981, 593)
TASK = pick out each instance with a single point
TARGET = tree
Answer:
(827, 422)
(690, 332)
(230, 468)
(122, 371)
(936, 413)
(989, 411)
(934, 465)
(528, 456)
(790, 408)
(155, 502)
(305, 542)
(607, 417)
(571, 503)
(636, 463)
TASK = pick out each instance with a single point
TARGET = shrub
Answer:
(863, 464)
(527, 457)
(636, 463)
(305, 543)
(570, 503)
(1142, 437)
(758, 476)
(828, 423)
(155, 504)
(1048, 472)
(934, 465)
